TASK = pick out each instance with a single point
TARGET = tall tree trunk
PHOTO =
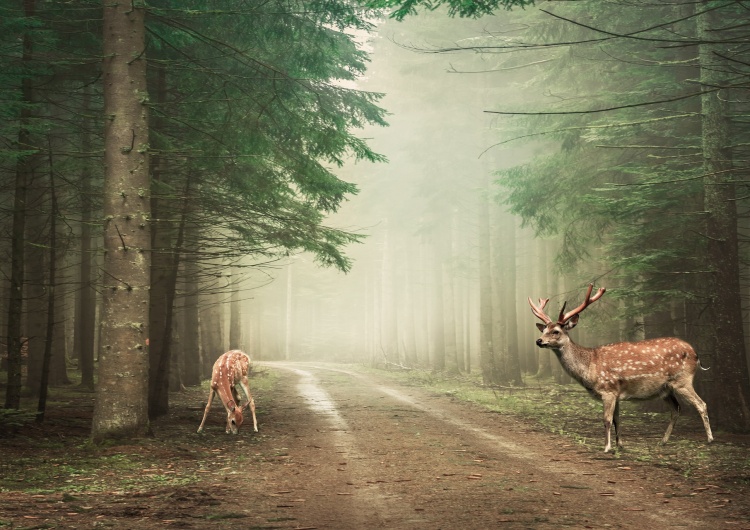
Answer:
(85, 321)
(211, 332)
(409, 318)
(525, 286)
(58, 371)
(23, 170)
(369, 309)
(160, 368)
(121, 406)
(449, 310)
(508, 242)
(469, 321)
(288, 317)
(190, 335)
(388, 308)
(423, 304)
(438, 311)
(544, 368)
(486, 357)
(36, 294)
(161, 263)
(729, 396)
(49, 332)
(235, 312)
(456, 296)
(499, 307)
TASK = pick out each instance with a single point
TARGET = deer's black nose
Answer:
(539, 342)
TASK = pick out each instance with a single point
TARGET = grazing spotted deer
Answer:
(625, 370)
(230, 370)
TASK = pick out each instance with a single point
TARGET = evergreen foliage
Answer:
(255, 105)
(626, 179)
(251, 111)
(462, 8)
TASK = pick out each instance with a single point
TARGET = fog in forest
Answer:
(413, 291)
(550, 202)
(528, 153)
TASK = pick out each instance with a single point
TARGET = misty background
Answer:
(412, 296)
(319, 181)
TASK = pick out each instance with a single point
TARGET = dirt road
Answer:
(343, 448)
(361, 453)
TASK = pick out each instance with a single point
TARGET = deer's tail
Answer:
(702, 367)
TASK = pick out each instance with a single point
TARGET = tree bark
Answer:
(388, 343)
(288, 316)
(162, 362)
(508, 242)
(544, 367)
(85, 321)
(49, 331)
(486, 357)
(409, 318)
(729, 396)
(23, 170)
(190, 336)
(235, 312)
(36, 294)
(437, 317)
(450, 342)
(211, 332)
(121, 406)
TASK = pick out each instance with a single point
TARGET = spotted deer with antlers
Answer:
(625, 370)
(229, 371)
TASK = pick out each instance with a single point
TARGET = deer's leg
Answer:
(616, 423)
(694, 399)
(674, 409)
(250, 401)
(208, 407)
(610, 404)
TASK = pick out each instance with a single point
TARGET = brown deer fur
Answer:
(646, 369)
(230, 370)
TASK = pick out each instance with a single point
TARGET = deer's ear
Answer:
(570, 324)
(541, 327)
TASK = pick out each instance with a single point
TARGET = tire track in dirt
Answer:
(319, 402)
(417, 460)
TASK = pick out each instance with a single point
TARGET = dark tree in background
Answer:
(639, 182)
(244, 144)
(23, 170)
(730, 389)
(230, 133)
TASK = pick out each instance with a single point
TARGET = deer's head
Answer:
(555, 334)
(234, 418)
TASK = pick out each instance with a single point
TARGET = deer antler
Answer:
(539, 310)
(588, 301)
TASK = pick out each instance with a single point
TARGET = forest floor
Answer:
(346, 447)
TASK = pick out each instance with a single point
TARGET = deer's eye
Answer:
(555, 332)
